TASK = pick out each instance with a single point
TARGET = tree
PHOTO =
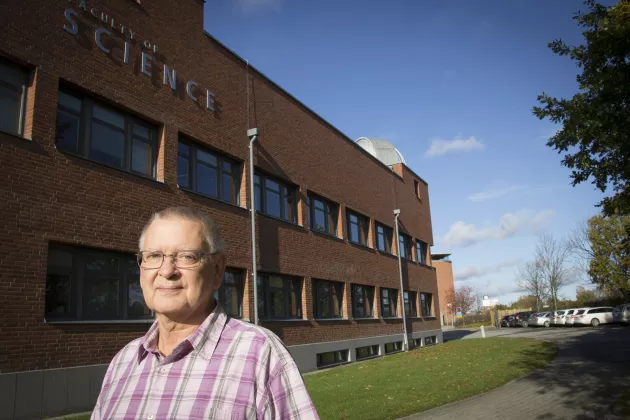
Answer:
(530, 280)
(463, 297)
(584, 297)
(595, 133)
(525, 301)
(552, 257)
(609, 267)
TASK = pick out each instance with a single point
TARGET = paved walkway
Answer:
(586, 381)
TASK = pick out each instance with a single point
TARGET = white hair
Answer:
(210, 230)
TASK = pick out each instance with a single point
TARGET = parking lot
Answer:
(588, 379)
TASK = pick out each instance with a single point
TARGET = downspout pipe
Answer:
(253, 133)
(402, 289)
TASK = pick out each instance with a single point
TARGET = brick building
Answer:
(114, 109)
(444, 271)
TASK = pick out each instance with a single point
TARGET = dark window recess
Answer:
(393, 347)
(428, 341)
(416, 187)
(367, 352)
(421, 252)
(383, 238)
(410, 304)
(389, 303)
(357, 227)
(13, 80)
(279, 297)
(208, 173)
(426, 303)
(328, 299)
(323, 215)
(230, 294)
(99, 132)
(415, 343)
(404, 246)
(332, 358)
(362, 301)
(275, 198)
(85, 284)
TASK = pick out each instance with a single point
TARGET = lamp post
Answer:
(402, 290)
(253, 133)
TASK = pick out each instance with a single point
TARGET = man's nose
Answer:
(168, 269)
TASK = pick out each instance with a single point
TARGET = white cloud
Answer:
(458, 144)
(468, 273)
(496, 192)
(510, 224)
(252, 6)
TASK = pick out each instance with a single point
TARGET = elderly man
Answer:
(195, 362)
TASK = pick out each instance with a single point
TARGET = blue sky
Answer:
(451, 84)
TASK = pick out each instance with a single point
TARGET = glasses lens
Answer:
(187, 259)
(150, 259)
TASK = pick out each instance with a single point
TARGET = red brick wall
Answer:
(444, 272)
(51, 196)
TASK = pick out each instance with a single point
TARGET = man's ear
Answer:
(218, 262)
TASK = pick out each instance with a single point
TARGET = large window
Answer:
(208, 173)
(404, 246)
(389, 303)
(332, 358)
(362, 301)
(426, 303)
(13, 81)
(393, 347)
(85, 284)
(279, 297)
(383, 238)
(275, 198)
(99, 132)
(421, 251)
(230, 294)
(357, 227)
(323, 215)
(328, 299)
(367, 352)
(410, 304)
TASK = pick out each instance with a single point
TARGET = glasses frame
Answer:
(173, 258)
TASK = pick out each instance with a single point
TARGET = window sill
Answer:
(430, 267)
(365, 318)
(209, 197)
(388, 254)
(264, 320)
(391, 317)
(331, 319)
(16, 135)
(327, 235)
(429, 317)
(121, 321)
(360, 245)
(278, 219)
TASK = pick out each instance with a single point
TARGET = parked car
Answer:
(621, 314)
(519, 319)
(594, 316)
(570, 320)
(557, 317)
(505, 321)
(539, 319)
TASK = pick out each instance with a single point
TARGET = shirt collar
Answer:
(203, 341)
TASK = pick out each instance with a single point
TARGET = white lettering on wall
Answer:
(70, 15)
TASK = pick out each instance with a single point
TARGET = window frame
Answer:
(412, 311)
(339, 288)
(367, 292)
(87, 121)
(362, 224)
(331, 215)
(406, 246)
(393, 302)
(264, 296)
(193, 162)
(426, 304)
(395, 347)
(373, 351)
(421, 251)
(388, 235)
(287, 193)
(340, 358)
(25, 73)
(221, 292)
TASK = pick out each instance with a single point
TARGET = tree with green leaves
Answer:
(595, 132)
(609, 267)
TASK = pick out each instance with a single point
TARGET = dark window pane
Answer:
(69, 101)
(272, 185)
(100, 288)
(231, 293)
(107, 145)
(58, 284)
(229, 190)
(182, 172)
(141, 157)
(319, 220)
(295, 299)
(337, 300)
(141, 131)
(12, 85)
(136, 308)
(354, 233)
(289, 204)
(109, 116)
(323, 299)
(258, 197)
(206, 157)
(207, 180)
(67, 131)
(272, 201)
(183, 149)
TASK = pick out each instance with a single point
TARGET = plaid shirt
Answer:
(227, 369)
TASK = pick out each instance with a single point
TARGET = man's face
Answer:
(179, 293)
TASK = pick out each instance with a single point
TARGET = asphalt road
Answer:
(588, 380)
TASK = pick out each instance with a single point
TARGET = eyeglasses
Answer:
(181, 259)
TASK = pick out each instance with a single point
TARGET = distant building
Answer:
(444, 271)
(489, 303)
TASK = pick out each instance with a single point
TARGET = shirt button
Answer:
(150, 417)
(163, 370)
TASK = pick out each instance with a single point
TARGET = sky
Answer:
(450, 83)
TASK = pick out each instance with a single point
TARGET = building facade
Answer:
(112, 110)
(444, 271)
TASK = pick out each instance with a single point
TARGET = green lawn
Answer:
(407, 383)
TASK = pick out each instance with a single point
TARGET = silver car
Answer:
(570, 318)
(539, 319)
(621, 314)
(557, 317)
(594, 316)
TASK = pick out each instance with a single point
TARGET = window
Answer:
(367, 352)
(230, 294)
(323, 215)
(85, 284)
(383, 238)
(357, 227)
(389, 303)
(404, 246)
(13, 81)
(279, 297)
(332, 358)
(415, 343)
(96, 131)
(426, 301)
(416, 188)
(421, 252)
(208, 173)
(275, 198)
(393, 347)
(362, 301)
(328, 298)
(410, 304)
(428, 341)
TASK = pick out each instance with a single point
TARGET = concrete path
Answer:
(586, 381)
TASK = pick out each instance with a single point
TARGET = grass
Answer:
(407, 383)
(474, 325)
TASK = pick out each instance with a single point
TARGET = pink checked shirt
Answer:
(227, 369)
